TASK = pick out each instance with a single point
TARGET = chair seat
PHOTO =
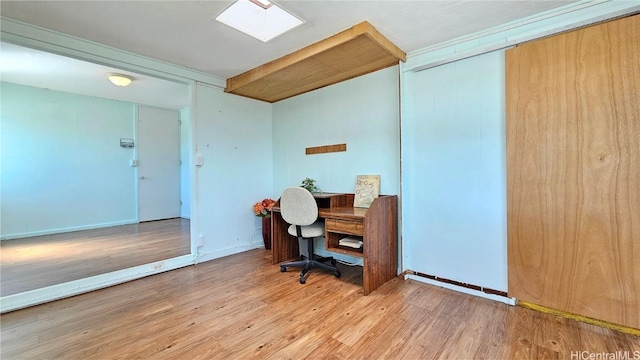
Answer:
(314, 230)
(299, 207)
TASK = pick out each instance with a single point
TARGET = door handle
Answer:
(141, 177)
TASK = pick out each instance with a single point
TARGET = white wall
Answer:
(454, 171)
(233, 135)
(62, 165)
(186, 146)
(361, 112)
(213, 200)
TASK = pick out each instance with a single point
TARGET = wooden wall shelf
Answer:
(356, 51)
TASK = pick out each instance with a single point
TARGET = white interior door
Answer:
(158, 164)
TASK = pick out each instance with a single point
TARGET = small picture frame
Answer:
(367, 189)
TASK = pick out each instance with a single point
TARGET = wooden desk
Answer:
(377, 226)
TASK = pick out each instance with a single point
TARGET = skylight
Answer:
(261, 19)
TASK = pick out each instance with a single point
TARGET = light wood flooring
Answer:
(32, 263)
(242, 307)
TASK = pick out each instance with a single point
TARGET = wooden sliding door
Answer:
(573, 165)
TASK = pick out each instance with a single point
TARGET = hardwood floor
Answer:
(32, 263)
(242, 307)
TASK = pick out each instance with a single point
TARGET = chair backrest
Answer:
(298, 206)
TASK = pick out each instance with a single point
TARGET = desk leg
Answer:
(283, 246)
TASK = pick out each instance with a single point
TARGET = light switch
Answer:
(133, 162)
(198, 160)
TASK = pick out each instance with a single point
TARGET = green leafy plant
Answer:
(310, 185)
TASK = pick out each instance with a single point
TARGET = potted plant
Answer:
(262, 209)
(310, 185)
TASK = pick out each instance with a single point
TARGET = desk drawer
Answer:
(344, 226)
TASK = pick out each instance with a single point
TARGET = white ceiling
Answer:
(40, 69)
(183, 32)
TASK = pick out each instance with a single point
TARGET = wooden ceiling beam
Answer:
(356, 51)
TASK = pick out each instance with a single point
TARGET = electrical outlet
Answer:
(200, 240)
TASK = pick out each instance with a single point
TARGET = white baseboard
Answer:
(207, 256)
(502, 299)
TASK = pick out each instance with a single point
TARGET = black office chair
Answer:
(300, 210)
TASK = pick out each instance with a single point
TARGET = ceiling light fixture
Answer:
(120, 79)
(261, 19)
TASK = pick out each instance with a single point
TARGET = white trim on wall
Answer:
(558, 20)
(39, 38)
(502, 299)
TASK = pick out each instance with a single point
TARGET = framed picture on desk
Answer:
(367, 189)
